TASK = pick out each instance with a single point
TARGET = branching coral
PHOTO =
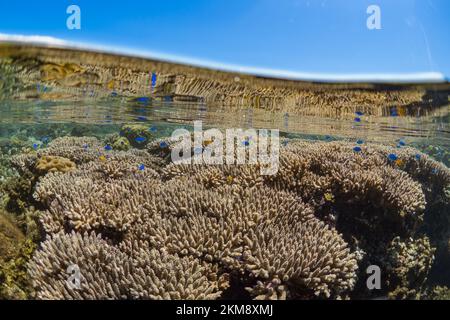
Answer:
(107, 272)
(165, 228)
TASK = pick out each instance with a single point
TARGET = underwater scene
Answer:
(130, 178)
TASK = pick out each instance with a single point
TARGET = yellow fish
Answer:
(207, 143)
(102, 158)
(110, 85)
(399, 162)
(329, 197)
(230, 179)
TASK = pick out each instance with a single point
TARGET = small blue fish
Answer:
(141, 167)
(393, 112)
(140, 139)
(359, 113)
(45, 139)
(85, 146)
(113, 94)
(152, 129)
(141, 118)
(357, 119)
(246, 143)
(153, 79)
(360, 141)
(327, 137)
(163, 144)
(417, 156)
(35, 146)
(357, 149)
(392, 157)
(198, 150)
(108, 147)
(144, 100)
(434, 171)
(402, 143)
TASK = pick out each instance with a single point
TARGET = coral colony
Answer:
(264, 151)
(127, 197)
(140, 226)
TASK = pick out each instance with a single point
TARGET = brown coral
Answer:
(239, 228)
(53, 164)
(107, 272)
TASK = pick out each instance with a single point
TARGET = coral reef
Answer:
(70, 72)
(15, 252)
(306, 232)
(47, 164)
(138, 135)
(109, 272)
(257, 236)
(438, 293)
(409, 263)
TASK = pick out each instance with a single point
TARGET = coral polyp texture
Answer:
(137, 226)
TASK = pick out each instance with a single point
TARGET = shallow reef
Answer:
(140, 227)
(15, 252)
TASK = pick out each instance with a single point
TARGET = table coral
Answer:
(269, 236)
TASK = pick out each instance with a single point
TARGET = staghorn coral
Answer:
(367, 197)
(186, 219)
(15, 251)
(318, 171)
(218, 232)
(107, 272)
(93, 196)
(244, 231)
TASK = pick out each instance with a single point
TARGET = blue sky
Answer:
(319, 36)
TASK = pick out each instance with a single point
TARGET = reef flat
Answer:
(58, 74)
(138, 226)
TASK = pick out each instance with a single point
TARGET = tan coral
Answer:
(107, 272)
(217, 222)
(47, 164)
